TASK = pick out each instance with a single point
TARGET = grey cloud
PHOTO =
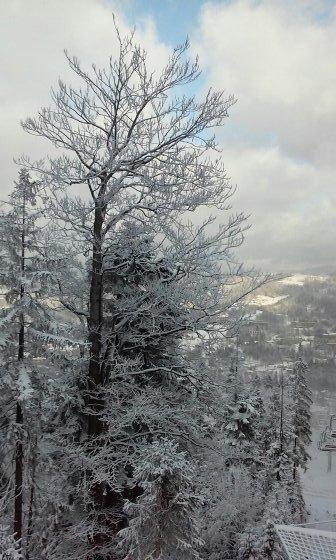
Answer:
(34, 35)
(279, 62)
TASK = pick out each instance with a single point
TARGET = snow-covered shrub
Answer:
(9, 549)
(161, 522)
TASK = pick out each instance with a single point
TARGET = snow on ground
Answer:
(294, 280)
(300, 279)
(319, 486)
(266, 300)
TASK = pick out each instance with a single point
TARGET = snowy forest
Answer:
(129, 428)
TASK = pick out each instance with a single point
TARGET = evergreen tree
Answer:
(31, 340)
(151, 390)
(301, 416)
(17, 241)
(162, 521)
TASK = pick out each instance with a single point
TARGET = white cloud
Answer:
(292, 208)
(34, 35)
(279, 65)
(278, 58)
(279, 146)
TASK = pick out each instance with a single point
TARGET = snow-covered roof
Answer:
(307, 543)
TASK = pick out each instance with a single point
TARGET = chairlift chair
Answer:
(327, 440)
(332, 426)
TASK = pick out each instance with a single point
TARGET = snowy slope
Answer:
(319, 486)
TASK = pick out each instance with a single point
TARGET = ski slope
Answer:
(319, 486)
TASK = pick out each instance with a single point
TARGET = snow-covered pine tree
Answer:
(17, 240)
(233, 504)
(241, 417)
(233, 467)
(243, 501)
(151, 391)
(301, 416)
(9, 547)
(275, 437)
(243, 406)
(31, 266)
(276, 510)
(162, 523)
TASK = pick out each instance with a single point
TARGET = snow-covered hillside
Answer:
(263, 300)
(301, 279)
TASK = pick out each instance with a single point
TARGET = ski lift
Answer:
(328, 436)
(332, 426)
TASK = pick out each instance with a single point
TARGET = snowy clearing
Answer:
(300, 279)
(266, 300)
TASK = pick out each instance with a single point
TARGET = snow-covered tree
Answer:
(9, 547)
(233, 504)
(31, 340)
(249, 485)
(301, 416)
(244, 406)
(139, 155)
(242, 416)
(162, 518)
(17, 246)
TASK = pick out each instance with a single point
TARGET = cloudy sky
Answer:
(278, 57)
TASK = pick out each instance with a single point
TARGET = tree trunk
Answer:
(31, 501)
(95, 327)
(19, 415)
(18, 477)
(294, 463)
(103, 497)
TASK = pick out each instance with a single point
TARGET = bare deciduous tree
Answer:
(136, 152)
